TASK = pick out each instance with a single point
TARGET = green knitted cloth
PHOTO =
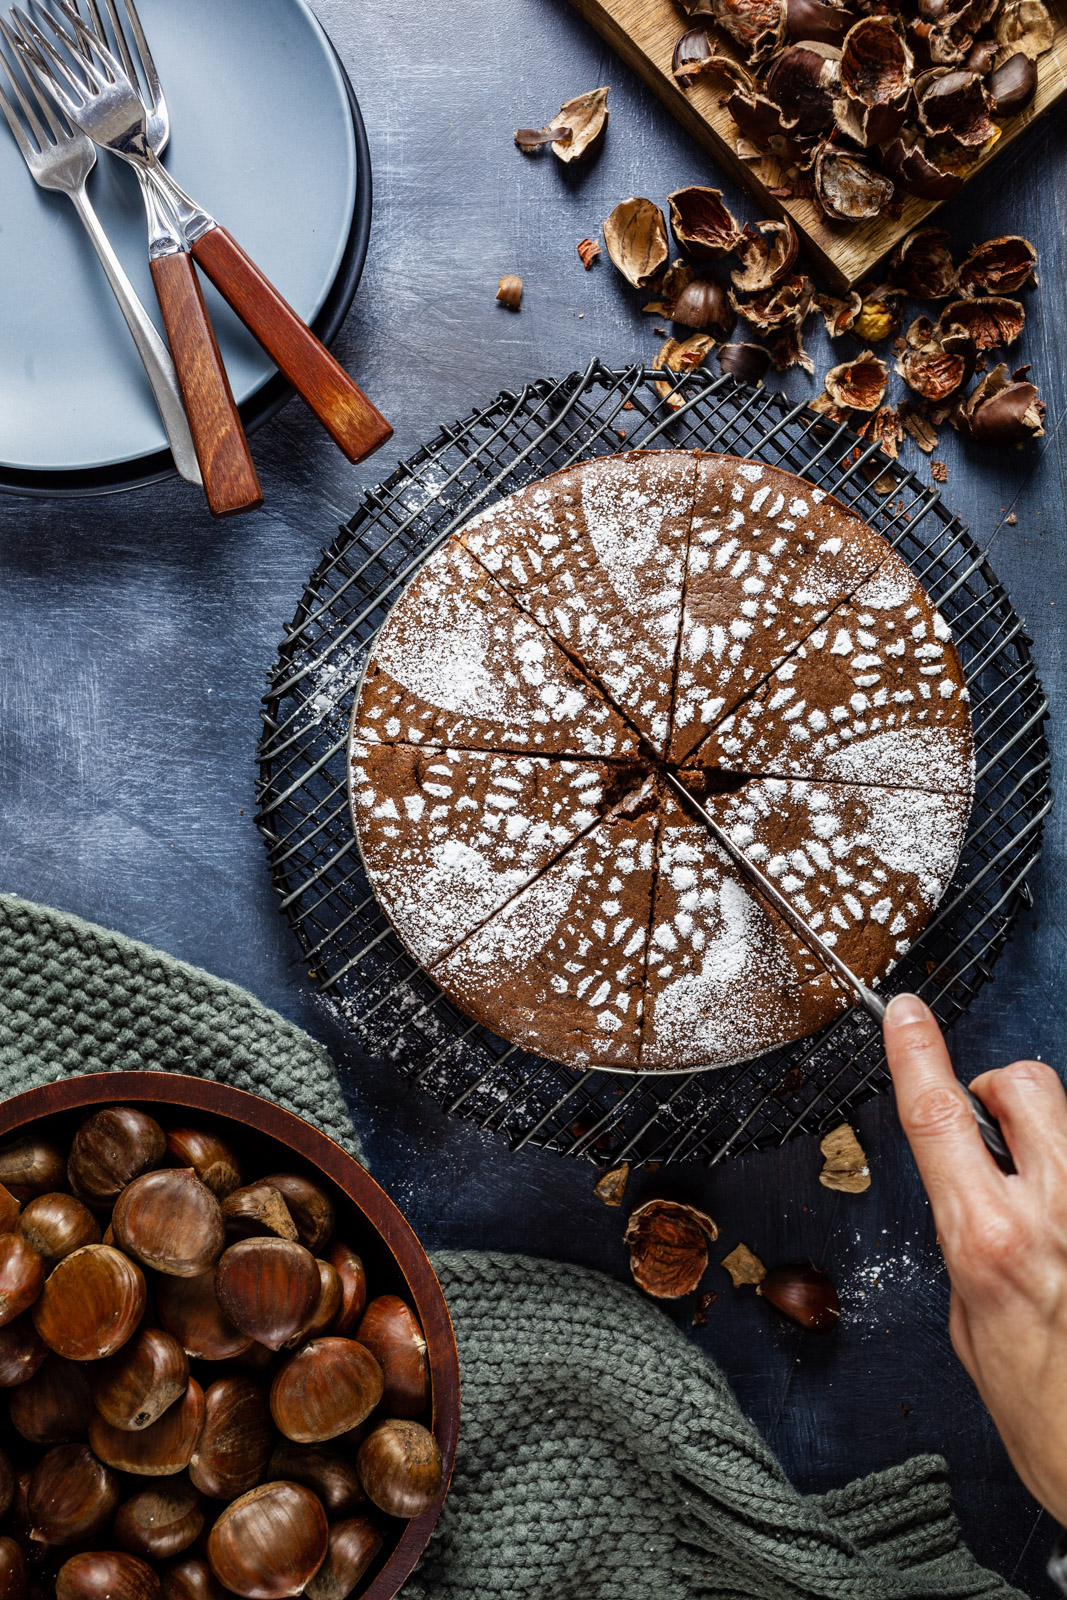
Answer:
(601, 1456)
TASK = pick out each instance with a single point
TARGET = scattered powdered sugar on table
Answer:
(875, 1292)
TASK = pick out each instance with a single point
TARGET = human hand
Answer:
(1004, 1237)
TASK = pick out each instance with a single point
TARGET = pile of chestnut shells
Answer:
(202, 1401)
(865, 103)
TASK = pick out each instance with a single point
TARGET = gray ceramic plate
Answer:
(263, 135)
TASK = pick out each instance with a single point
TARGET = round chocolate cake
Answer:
(646, 612)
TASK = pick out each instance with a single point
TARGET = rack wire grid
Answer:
(355, 960)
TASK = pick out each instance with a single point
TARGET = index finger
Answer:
(952, 1160)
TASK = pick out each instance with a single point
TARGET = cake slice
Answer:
(560, 968)
(449, 836)
(459, 665)
(596, 554)
(769, 558)
(877, 696)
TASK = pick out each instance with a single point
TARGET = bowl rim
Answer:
(384, 1216)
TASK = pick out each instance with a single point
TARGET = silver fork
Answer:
(61, 159)
(104, 98)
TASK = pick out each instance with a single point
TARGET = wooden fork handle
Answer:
(230, 480)
(356, 425)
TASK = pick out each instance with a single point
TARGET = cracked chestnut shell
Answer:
(32, 1166)
(56, 1225)
(955, 102)
(331, 1476)
(211, 1158)
(815, 19)
(325, 1389)
(161, 1520)
(758, 26)
(106, 1575)
(268, 1288)
(635, 237)
(701, 224)
(1000, 411)
(353, 1277)
(189, 1309)
(309, 1206)
(110, 1149)
(91, 1304)
(71, 1496)
(804, 1295)
(392, 1333)
(270, 1543)
(354, 1544)
(998, 266)
(399, 1466)
(55, 1405)
(170, 1221)
(767, 254)
(876, 71)
(906, 161)
(921, 265)
(858, 385)
(233, 1449)
(1012, 85)
(134, 1387)
(847, 188)
(990, 320)
(668, 1248)
(803, 81)
(160, 1450)
(21, 1276)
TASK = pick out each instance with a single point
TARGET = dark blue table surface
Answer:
(137, 634)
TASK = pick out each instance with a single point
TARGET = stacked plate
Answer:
(267, 134)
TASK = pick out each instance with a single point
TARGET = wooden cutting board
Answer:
(644, 33)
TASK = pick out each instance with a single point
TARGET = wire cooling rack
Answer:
(356, 962)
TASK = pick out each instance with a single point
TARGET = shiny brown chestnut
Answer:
(331, 1476)
(329, 1304)
(91, 1304)
(170, 1221)
(160, 1450)
(191, 1579)
(746, 362)
(353, 1545)
(32, 1166)
(270, 1543)
(161, 1520)
(310, 1208)
(704, 304)
(7, 1485)
(815, 19)
(268, 1288)
(55, 1405)
(804, 1295)
(110, 1149)
(22, 1351)
(391, 1332)
(233, 1449)
(255, 1210)
(106, 1575)
(71, 1496)
(1003, 411)
(399, 1465)
(10, 1208)
(189, 1309)
(211, 1158)
(21, 1276)
(14, 1573)
(1012, 85)
(134, 1387)
(56, 1225)
(327, 1388)
(353, 1286)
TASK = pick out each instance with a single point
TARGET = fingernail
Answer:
(905, 1008)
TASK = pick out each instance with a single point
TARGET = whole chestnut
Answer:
(56, 1225)
(160, 1520)
(268, 1288)
(399, 1466)
(210, 1157)
(234, 1446)
(134, 1387)
(9, 1210)
(331, 1476)
(804, 1294)
(270, 1543)
(390, 1331)
(91, 1304)
(189, 1309)
(110, 1149)
(353, 1277)
(191, 1579)
(106, 1575)
(160, 1450)
(32, 1166)
(310, 1208)
(7, 1484)
(255, 1210)
(55, 1405)
(21, 1276)
(71, 1496)
(354, 1544)
(329, 1304)
(22, 1351)
(327, 1388)
(170, 1221)
(14, 1574)
(1013, 85)
(704, 304)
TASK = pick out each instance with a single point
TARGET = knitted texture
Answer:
(602, 1457)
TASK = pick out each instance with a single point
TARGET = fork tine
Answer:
(144, 53)
(15, 125)
(31, 45)
(16, 87)
(37, 89)
(87, 44)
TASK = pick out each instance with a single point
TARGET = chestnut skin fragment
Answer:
(1003, 411)
(839, 315)
(701, 224)
(583, 120)
(955, 102)
(1024, 25)
(921, 265)
(858, 385)
(758, 26)
(635, 235)
(668, 1247)
(990, 320)
(767, 254)
(936, 365)
(875, 74)
(509, 291)
(802, 81)
(788, 302)
(906, 161)
(998, 266)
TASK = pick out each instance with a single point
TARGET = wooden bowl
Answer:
(270, 1139)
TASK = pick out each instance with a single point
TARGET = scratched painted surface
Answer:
(136, 634)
